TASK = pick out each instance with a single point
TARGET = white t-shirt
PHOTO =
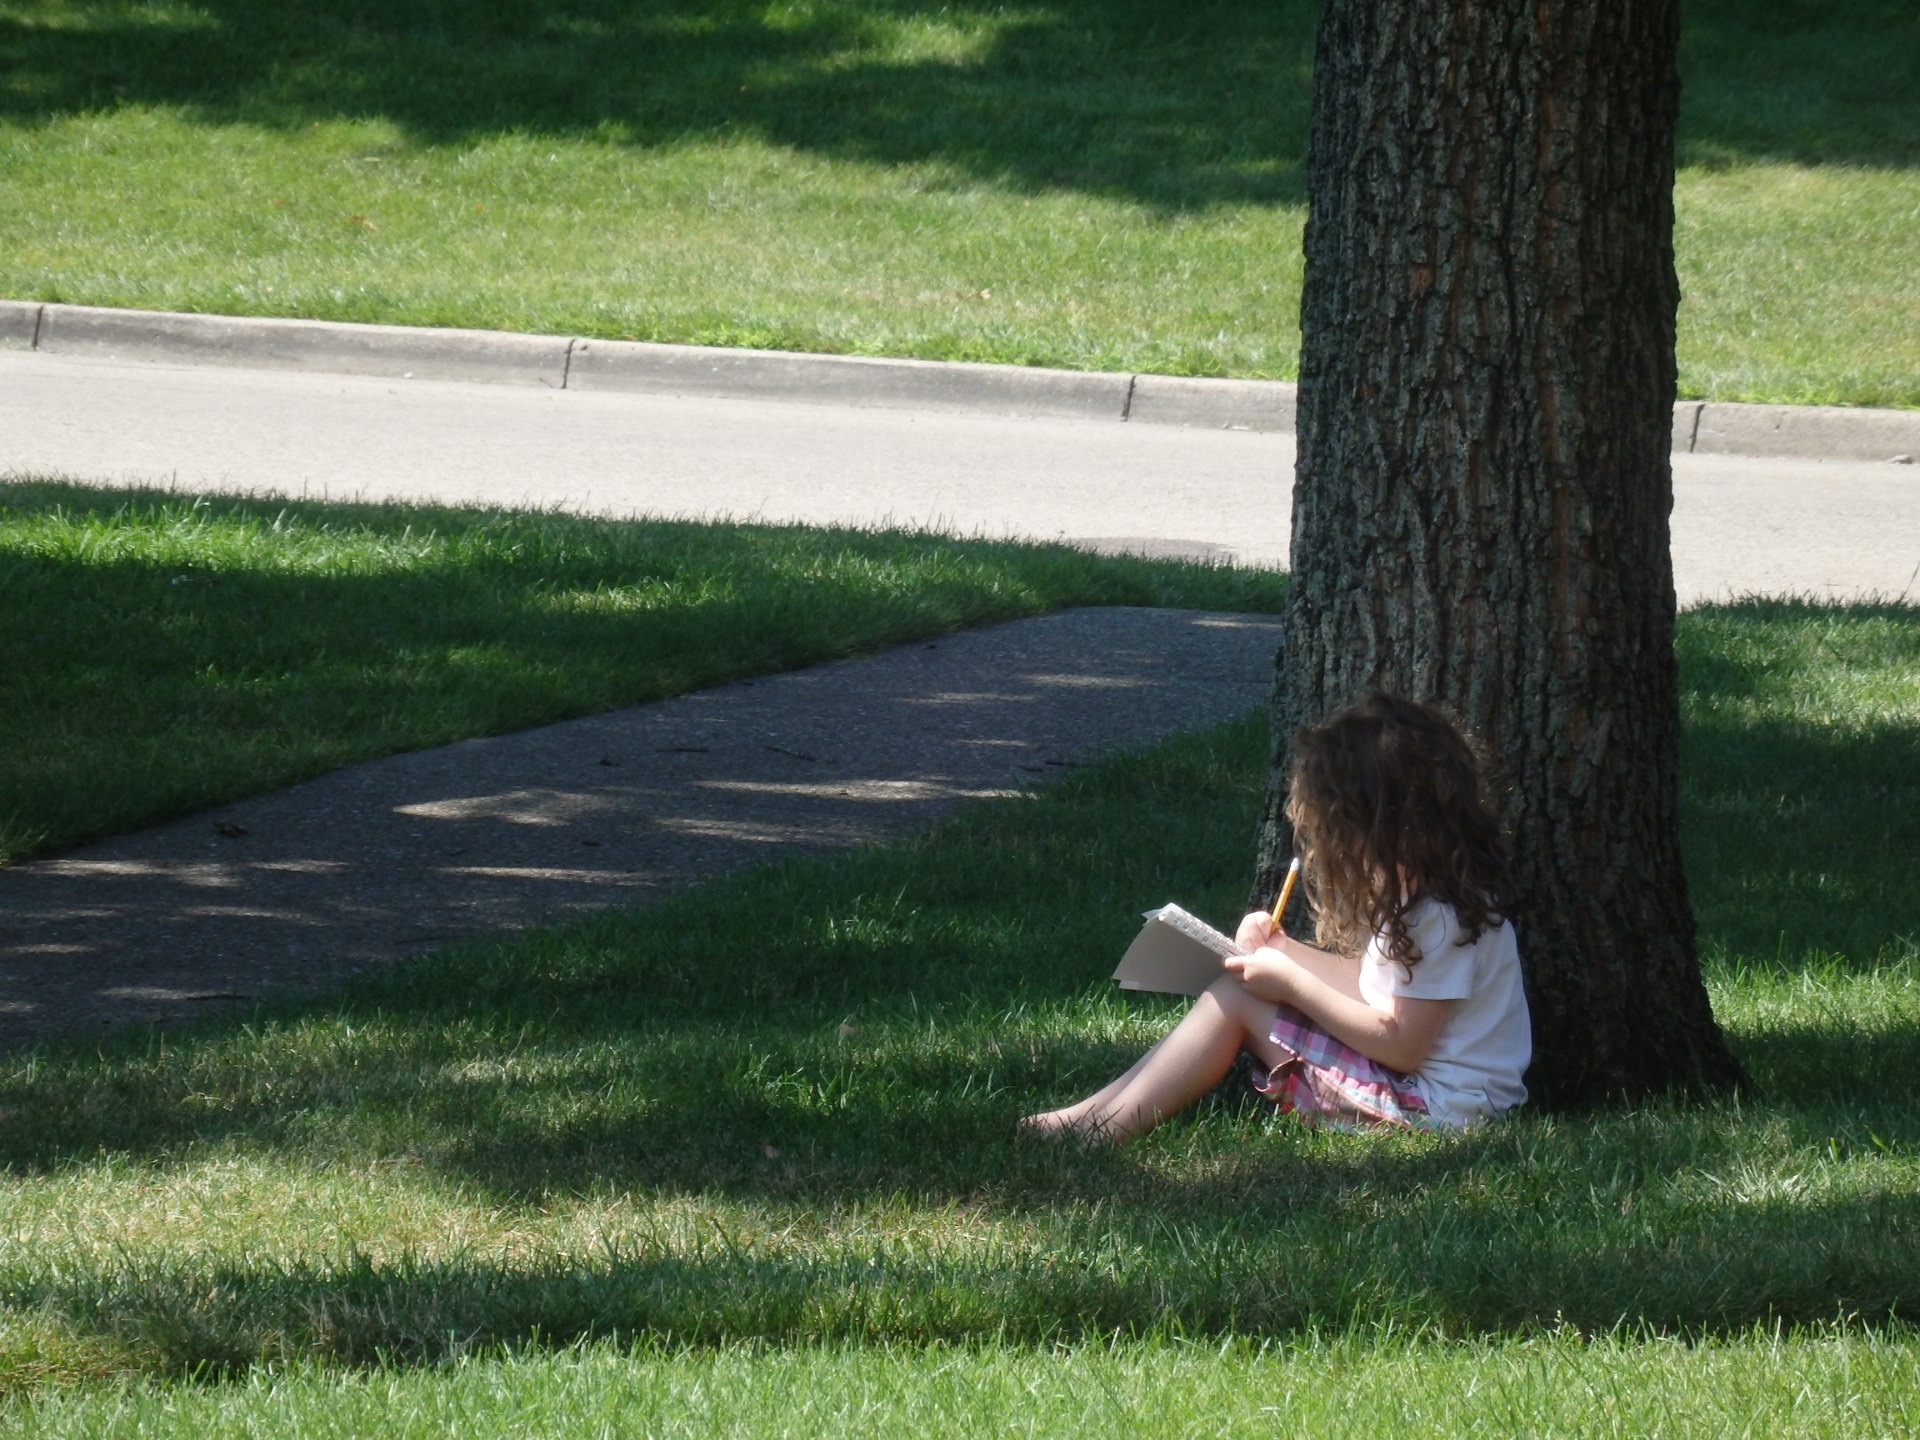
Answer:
(1484, 1047)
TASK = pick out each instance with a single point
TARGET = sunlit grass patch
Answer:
(1800, 284)
(1785, 1384)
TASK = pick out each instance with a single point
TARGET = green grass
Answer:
(1802, 744)
(605, 1174)
(160, 653)
(1112, 186)
(1790, 1386)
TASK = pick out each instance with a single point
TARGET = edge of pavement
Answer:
(1708, 427)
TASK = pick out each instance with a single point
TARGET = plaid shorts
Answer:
(1327, 1082)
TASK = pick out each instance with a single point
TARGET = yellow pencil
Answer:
(1286, 892)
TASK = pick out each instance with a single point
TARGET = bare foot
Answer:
(1069, 1124)
(1048, 1125)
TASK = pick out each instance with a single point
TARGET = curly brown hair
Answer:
(1388, 799)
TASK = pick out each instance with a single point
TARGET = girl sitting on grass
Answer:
(1413, 1013)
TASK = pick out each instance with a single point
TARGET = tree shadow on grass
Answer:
(1177, 107)
(1805, 82)
(1800, 832)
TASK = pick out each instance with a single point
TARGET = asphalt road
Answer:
(1742, 525)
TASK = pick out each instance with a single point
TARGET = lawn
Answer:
(1107, 186)
(633, 1176)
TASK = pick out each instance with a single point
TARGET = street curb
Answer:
(564, 363)
(628, 365)
(394, 352)
(19, 324)
(1223, 404)
(1808, 431)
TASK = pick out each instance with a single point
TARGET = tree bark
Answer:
(1483, 486)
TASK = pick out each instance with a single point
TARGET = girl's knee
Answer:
(1231, 994)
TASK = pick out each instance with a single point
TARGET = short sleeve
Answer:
(1446, 968)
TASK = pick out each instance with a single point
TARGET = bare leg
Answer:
(1075, 1117)
(1188, 1062)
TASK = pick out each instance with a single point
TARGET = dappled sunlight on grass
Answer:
(1124, 99)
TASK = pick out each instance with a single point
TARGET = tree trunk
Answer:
(1483, 488)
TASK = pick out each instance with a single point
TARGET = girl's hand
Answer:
(1266, 973)
(1256, 930)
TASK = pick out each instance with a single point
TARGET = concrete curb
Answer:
(1812, 432)
(19, 324)
(562, 363)
(846, 380)
(1225, 404)
(388, 351)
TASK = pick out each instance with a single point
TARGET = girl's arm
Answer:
(1326, 988)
